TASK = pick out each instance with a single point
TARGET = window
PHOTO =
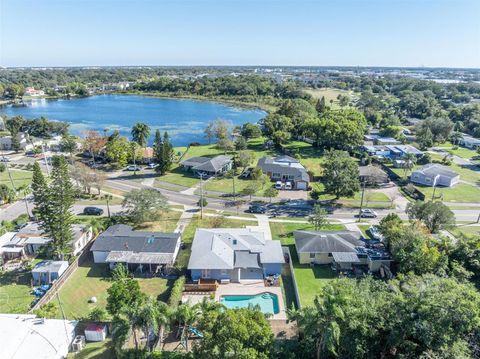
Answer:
(330, 255)
(205, 273)
(312, 255)
(234, 242)
(291, 177)
(275, 175)
(223, 272)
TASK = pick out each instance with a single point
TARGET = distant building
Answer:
(469, 142)
(30, 91)
(211, 166)
(392, 151)
(285, 168)
(435, 175)
(25, 142)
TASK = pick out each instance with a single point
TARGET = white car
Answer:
(152, 166)
(288, 185)
(133, 168)
(278, 185)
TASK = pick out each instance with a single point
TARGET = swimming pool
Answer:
(268, 302)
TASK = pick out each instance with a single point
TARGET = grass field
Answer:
(462, 193)
(370, 200)
(93, 280)
(330, 94)
(15, 292)
(469, 232)
(310, 280)
(95, 350)
(20, 178)
(206, 222)
(167, 222)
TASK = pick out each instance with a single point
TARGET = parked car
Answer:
(278, 185)
(256, 208)
(374, 233)
(368, 213)
(92, 211)
(4, 159)
(133, 168)
(152, 166)
(246, 173)
(288, 185)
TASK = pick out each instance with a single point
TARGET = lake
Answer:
(184, 120)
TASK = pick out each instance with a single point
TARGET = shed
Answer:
(47, 271)
(96, 332)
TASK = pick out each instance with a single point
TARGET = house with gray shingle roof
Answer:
(285, 168)
(137, 250)
(210, 166)
(342, 249)
(434, 174)
(235, 254)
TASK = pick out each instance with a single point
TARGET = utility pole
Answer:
(46, 161)
(26, 203)
(361, 201)
(434, 187)
(201, 196)
(107, 197)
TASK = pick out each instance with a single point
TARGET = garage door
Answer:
(301, 185)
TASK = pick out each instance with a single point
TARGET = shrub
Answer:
(202, 202)
(98, 314)
(176, 292)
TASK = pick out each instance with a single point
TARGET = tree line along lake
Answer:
(185, 120)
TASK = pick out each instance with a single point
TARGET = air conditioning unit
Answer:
(78, 343)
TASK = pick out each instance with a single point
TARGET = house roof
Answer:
(284, 165)
(405, 149)
(226, 248)
(345, 257)
(435, 169)
(372, 171)
(49, 266)
(327, 241)
(207, 164)
(121, 237)
(139, 258)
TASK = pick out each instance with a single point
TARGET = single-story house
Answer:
(469, 142)
(29, 239)
(25, 142)
(137, 250)
(210, 166)
(434, 175)
(392, 151)
(46, 272)
(343, 249)
(372, 175)
(234, 254)
(285, 168)
(26, 336)
(386, 141)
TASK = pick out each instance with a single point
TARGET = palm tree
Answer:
(410, 160)
(140, 133)
(163, 316)
(186, 316)
(148, 319)
(134, 316)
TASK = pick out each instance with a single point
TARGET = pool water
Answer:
(267, 302)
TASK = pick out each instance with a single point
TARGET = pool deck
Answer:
(253, 288)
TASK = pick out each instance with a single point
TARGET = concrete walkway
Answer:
(263, 226)
(184, 220)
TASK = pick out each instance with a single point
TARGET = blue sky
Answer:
(240, 32)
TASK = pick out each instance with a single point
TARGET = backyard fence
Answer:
(286, 250)
(48, 296)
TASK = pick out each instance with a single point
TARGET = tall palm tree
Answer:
(410, 162)
(163, 316)
(134, 316)
(140, 133)
(148, 319)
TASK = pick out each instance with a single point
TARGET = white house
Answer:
(435, 175)
(25, 336)
(469, 142)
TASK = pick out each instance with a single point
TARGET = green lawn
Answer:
(15, 292)
(95, 350)
(310, 280)
(460, 151)
(461, 192)
(20, 178)
(206, 222)
(469, 232)
(330, 94)
(93, 280)
(371, 199)
(179, 177)
(223, 184)
(167, 222)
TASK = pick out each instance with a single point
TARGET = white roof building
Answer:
(26, 336)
